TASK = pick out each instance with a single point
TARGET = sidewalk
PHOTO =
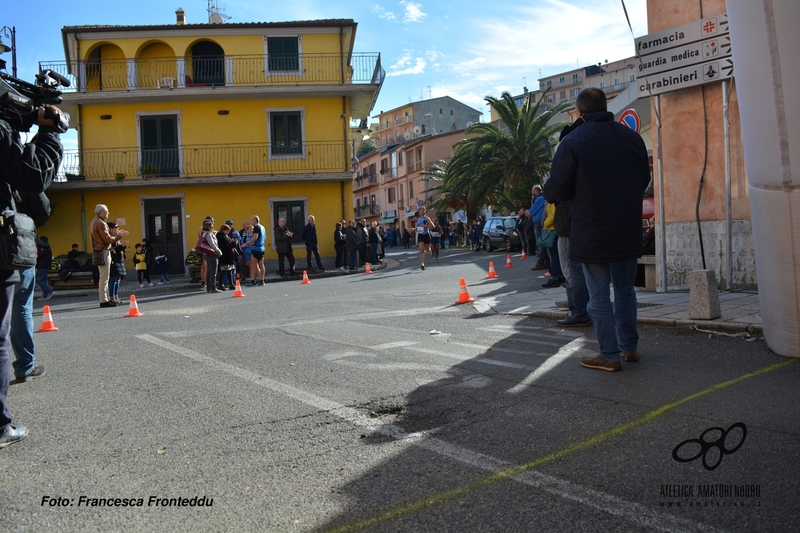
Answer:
(741, 312)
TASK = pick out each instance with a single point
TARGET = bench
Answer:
(649, 262)
(78, 280)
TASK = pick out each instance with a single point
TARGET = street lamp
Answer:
(10, 32)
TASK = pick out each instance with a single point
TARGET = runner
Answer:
(424, 225)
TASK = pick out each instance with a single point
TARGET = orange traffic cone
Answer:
(463, 293)
(508, 261)
(368, 271)
(47, 321)
(134, 309)
(523, 256)
(305, 279)
(238, 293)
(492, 273)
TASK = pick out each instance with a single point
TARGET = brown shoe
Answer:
(630, 357)
(598, 363)
(539, 266)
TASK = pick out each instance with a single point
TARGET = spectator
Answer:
(226, 258)
(117, 271)
(537, 214)
(363, 240)
(211, 259)
(28, 170)
(374, 240)
(339, 241)
(101, 244)
(352, 244)
(44, 261)
(309, 236)
(556, 275)
(283, 245)
(602, 166)
(162, 265)
(140, 265)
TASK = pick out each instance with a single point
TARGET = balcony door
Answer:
(295, 215)
(164, 230)
(159, 142)
(208, 64)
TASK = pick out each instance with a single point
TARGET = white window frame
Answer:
(300, 70)
(302, 154)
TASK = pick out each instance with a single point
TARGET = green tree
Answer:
(497, 165)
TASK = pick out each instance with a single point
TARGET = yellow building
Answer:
(178, 122)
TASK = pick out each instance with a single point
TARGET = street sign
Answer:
(683, 56)
(698, 30)
(631, 119)
(707, 72)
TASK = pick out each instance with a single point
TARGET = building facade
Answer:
(419, 119)
(178, 122)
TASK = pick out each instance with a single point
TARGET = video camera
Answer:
(20, 101)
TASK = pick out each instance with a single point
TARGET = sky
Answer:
(461, 49)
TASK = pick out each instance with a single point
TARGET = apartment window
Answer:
(400, 196)
(394, 164)
(451, 112)
(574, 78)
(396, 119)
(388, 138)
(616, 82)
(562, 94)
(561, 79)
(286, 136)
(575, 92)
(419, 158)
(632, 78)
(390, 195)
(410, 159)
(602, 85)
(372, 171)
(549, 83)
(400, 156)
(372, 201)
(159, 143)
(283, 53)
(411, 189)
(549, 98)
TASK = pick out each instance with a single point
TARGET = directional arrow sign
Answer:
(707, 72)
(690, 54)
(698, 30)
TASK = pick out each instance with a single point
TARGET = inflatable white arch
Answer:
(765, 40)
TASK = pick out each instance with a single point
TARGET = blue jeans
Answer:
(113, 285)
(615, 324)
(22, 324)
(41, 281)
(6, 299)
(165, 277)
(577, 294)
(537, 231)
(373, 248)
(353, 259)
(555, 265)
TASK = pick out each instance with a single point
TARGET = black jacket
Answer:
(44, 258)
(309, 235)
(29, 169)
(283, 243)
(353, 243)
(602, 167)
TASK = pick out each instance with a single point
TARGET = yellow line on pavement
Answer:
(419, 505)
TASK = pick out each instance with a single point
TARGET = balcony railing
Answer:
(229, 71)
(207, 160)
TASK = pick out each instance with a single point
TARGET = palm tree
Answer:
(496, 163)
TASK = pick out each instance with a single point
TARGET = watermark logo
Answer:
(712, 451)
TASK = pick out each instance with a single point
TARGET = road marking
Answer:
(499, 470)
(398, 344)
(516, 470)
(559, 357)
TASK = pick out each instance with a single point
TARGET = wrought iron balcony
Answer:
(228, 71)
(207, 160)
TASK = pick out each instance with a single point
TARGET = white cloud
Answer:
(414, 12)
(382, 12)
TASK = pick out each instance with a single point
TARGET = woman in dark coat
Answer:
(352, 243)
(226, 245)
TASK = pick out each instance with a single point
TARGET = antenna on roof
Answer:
(216, 15)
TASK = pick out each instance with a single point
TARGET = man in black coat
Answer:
(602, 167)
(309, 236)
(283, 245)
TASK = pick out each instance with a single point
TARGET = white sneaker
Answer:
(141, 285)
(150, 284)
(159, 283)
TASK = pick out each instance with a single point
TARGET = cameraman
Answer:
(28, 169)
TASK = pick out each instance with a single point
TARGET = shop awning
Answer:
(387, 220)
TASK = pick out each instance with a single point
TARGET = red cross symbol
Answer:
(709, 27)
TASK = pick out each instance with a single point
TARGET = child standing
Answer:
(117, 271)
(162, 264)
(140, 264)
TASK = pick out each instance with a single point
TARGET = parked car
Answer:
(501, 232)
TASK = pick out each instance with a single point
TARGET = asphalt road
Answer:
(372, 403)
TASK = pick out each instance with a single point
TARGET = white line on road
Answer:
(601, 501)
(565, 352)
(607, 503)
